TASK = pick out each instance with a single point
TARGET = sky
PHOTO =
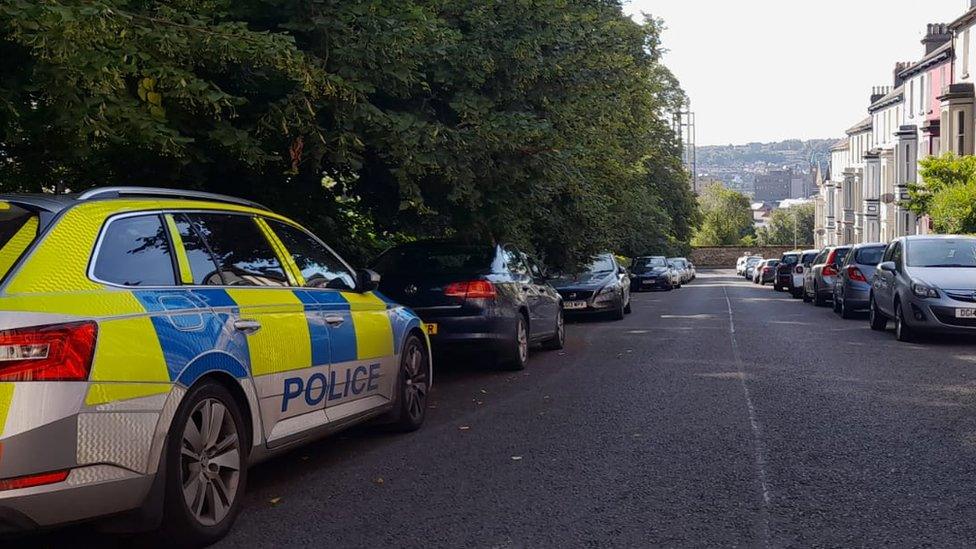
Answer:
(768, 70)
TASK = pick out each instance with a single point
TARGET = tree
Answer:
(946, 193)
(727, 217)
(542, 123)
(788, 226)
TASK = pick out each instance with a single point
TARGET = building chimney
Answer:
(877, 92)
(899, 67)
(938, 34)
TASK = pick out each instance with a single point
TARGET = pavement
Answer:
(722, 413)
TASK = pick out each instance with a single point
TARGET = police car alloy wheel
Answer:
(414, 386)
(206, 467)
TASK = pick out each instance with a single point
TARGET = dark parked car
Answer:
(852, 288)
(603, 286)
(784, 271)
(818, 280)
(926, 283)
(651, 273)
(475, 295)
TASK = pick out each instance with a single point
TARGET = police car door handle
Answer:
(247, 326)
(334, 320)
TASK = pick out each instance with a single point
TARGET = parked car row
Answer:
(660, 273)
(921, 283)
(497, 298)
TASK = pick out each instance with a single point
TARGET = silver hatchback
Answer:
(852, 286)
(926, 283)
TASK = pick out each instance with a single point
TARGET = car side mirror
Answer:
(888, 266)
(368, 280)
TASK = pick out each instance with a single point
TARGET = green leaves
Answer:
(947, 193)
(727, 217)
(543, 123)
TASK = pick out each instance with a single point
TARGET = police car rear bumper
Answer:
(87, 493)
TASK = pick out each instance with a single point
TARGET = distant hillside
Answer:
(790, 152)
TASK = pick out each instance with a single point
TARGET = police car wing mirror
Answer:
(368, 280)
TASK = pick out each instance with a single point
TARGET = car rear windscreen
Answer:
(18, 228)
(869, 256)
(808, 258)
(436, 259)
(790, 259)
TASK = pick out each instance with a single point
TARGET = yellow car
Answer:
(154, 343)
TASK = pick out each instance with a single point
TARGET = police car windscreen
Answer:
(436, 259)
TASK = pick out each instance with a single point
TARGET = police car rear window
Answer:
(18, 229)
(135, 251)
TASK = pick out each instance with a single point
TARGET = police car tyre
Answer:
(559, 339)
(206, 467)
(518, 356)
(413, 386)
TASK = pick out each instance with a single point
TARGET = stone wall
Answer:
(725, 256)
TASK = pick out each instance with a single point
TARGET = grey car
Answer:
(926, 283)
(852, 286)
(818, 280)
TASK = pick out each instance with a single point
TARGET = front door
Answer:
(234, 251)
(363, 362)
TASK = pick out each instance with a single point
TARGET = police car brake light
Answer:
(472, 289)
(56, 352)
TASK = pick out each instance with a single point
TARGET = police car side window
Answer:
(319, 266)
(202, 264)
(135, 251)
(242, 252)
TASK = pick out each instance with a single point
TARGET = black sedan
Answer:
(651, 273)
(475, 296)
(602, 287)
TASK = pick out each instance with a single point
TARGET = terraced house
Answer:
(928, 109)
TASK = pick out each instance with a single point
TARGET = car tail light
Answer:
(32, 480)
(829, 270)
(855, 274)
(766, 269)
(473, 289)
(57, 352)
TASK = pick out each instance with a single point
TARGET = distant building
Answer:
(773, 186)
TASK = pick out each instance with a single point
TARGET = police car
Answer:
(154, 343)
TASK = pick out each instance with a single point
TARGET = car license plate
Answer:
(647, 282)
(430, 328)
(965, 313)
(574, 305)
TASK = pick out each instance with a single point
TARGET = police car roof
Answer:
(54, 203)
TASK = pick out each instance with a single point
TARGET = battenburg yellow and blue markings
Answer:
(195, 331)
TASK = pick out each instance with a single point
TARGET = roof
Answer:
(964, 20)
(861, 127)
(940, 55)
(841, 145)
(893, 97)
(56, 202)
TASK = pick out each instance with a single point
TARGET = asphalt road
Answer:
(722, 413)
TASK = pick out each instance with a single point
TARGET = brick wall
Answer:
(725, 256)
